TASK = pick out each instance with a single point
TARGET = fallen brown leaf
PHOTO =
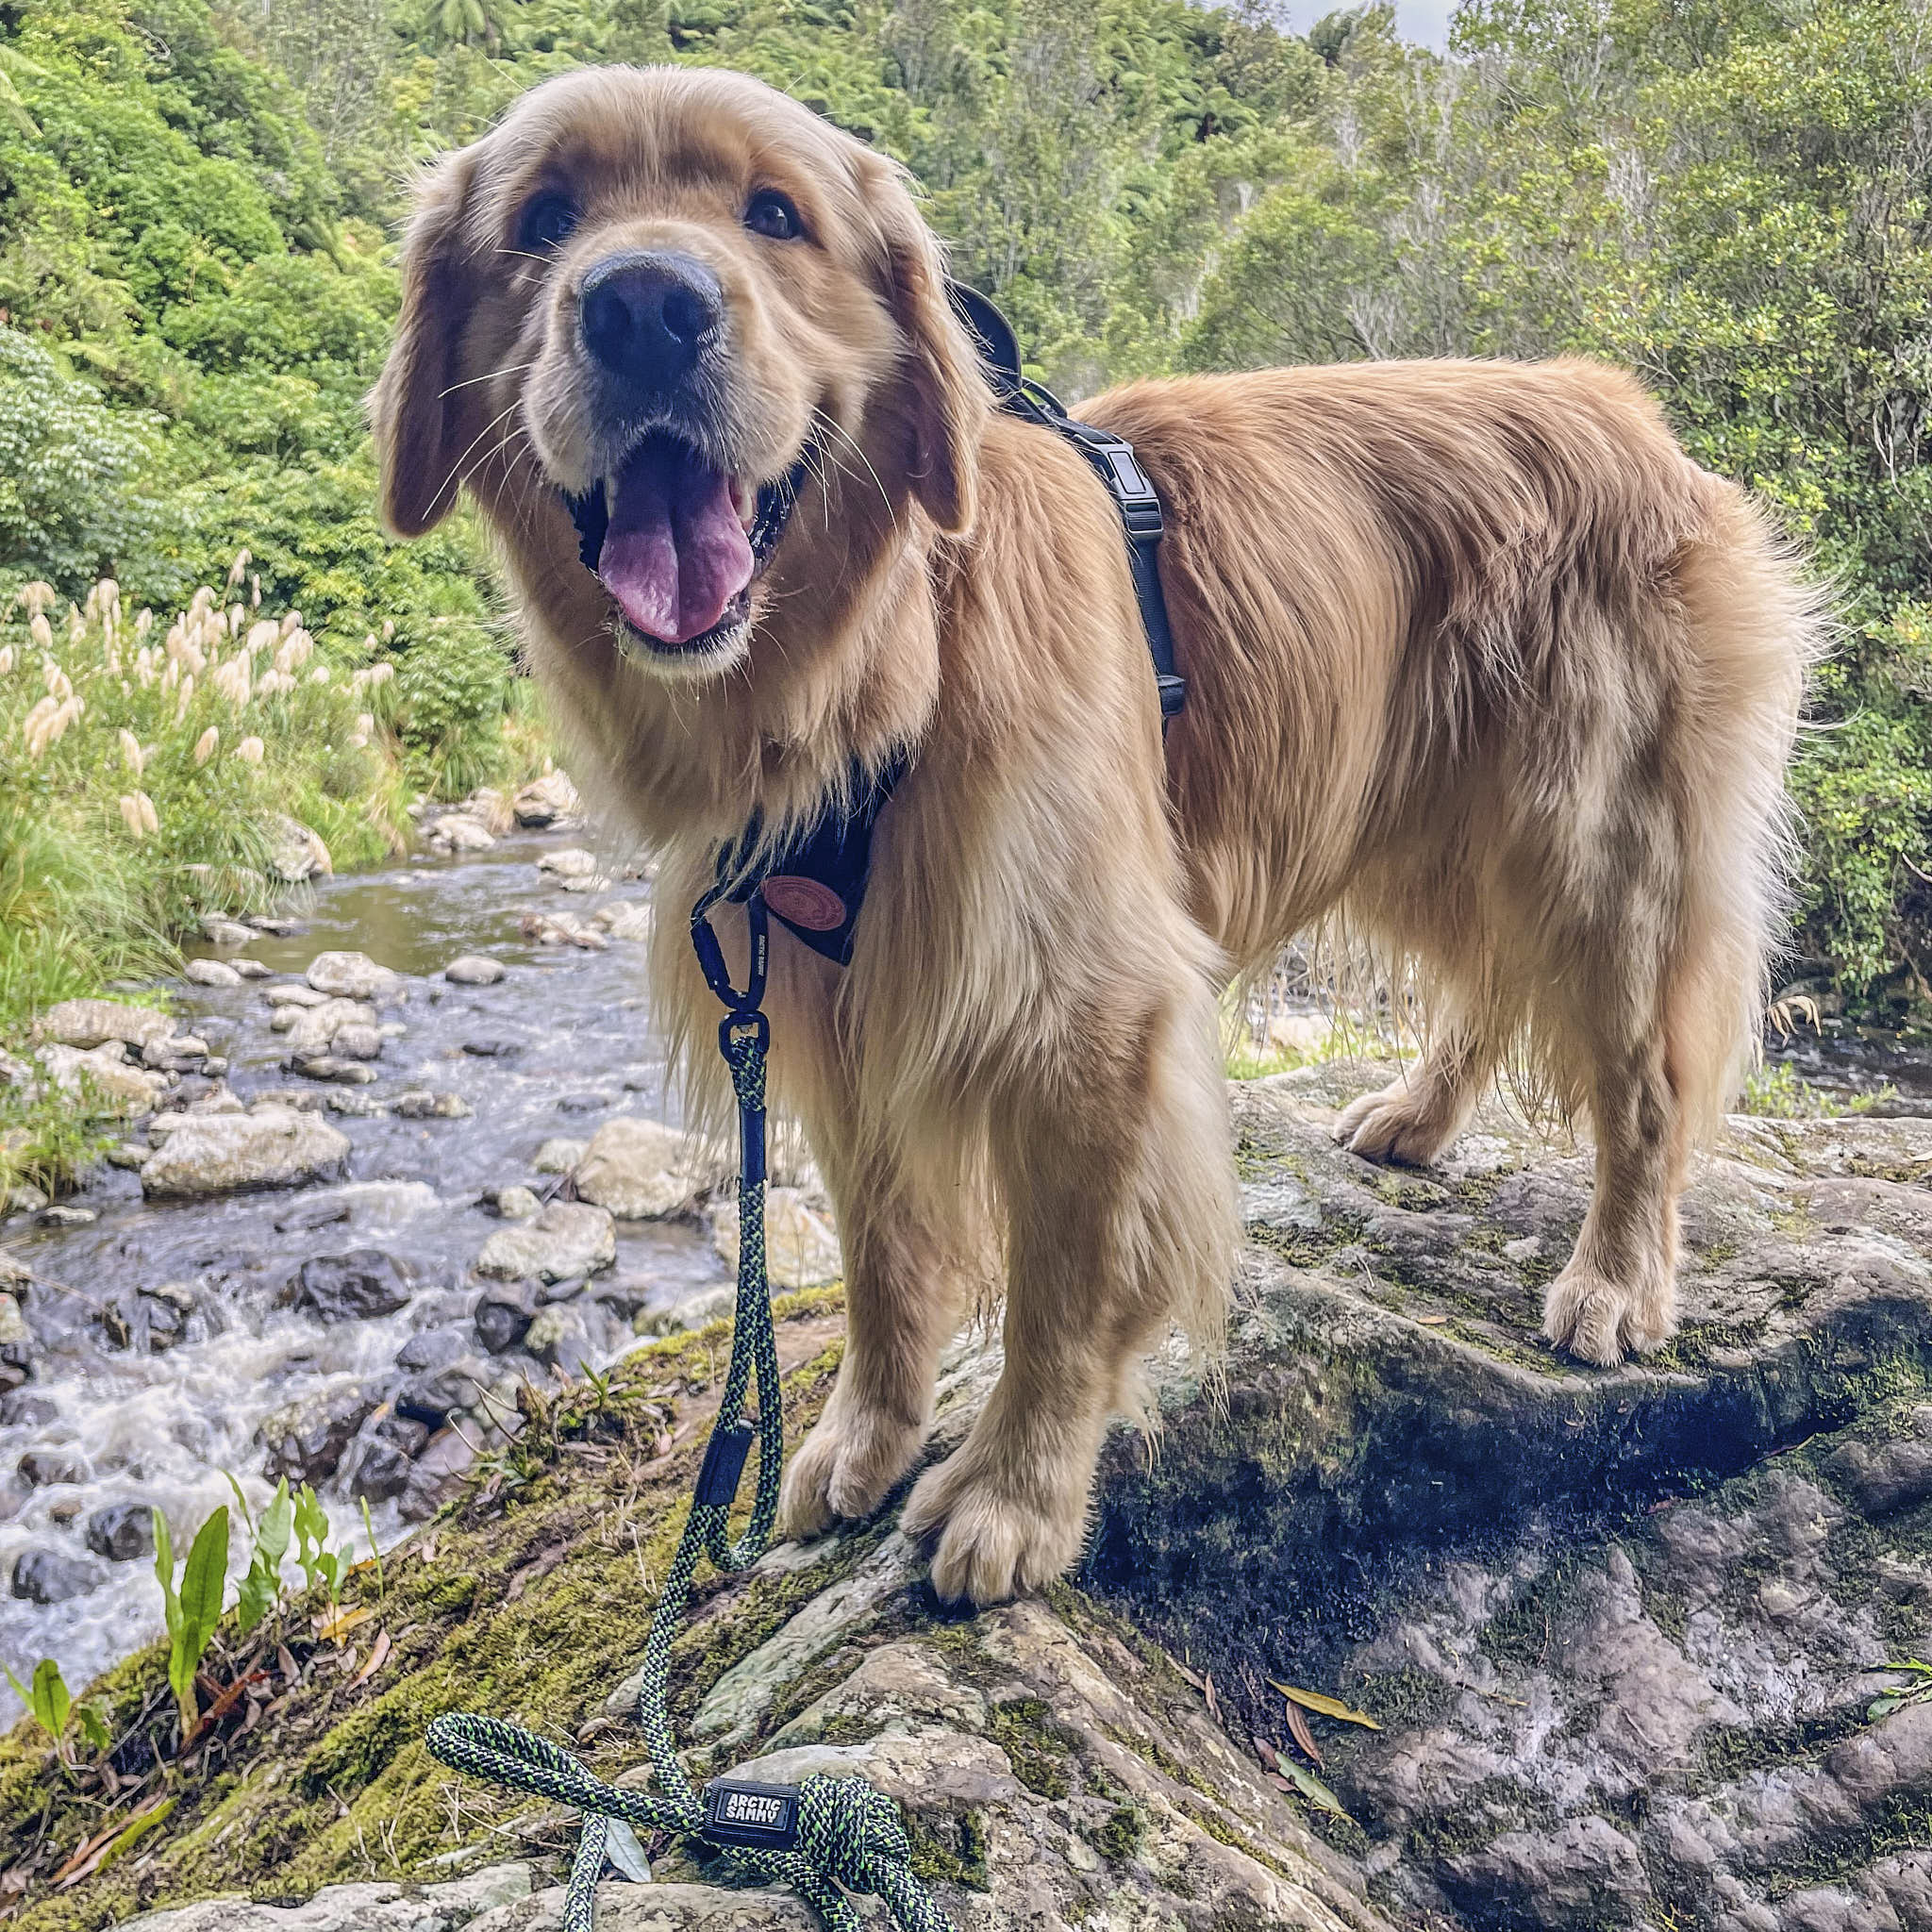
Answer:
(378, 1655)
(1298, 1729)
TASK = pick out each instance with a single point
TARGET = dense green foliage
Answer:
(1729, 195)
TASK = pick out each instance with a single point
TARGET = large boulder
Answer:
(105, 1076)
(353, 977)
(642, 1170)
(296, 853)
(356, 1286)
(87, 1024)
(218, 1153)
(546, 801)
(567, 1239)
(304, 1440)
(801, 1245)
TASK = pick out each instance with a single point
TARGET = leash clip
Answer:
(760, 1817)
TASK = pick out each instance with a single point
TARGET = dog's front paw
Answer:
(990, 1537)
(1601, 1320)
(844, 1469)
(1396, 1124)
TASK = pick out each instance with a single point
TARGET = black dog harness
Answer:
(815, 884)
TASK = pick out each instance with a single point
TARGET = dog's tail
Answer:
(1756, 623)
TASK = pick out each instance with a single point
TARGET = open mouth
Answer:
(679, 543)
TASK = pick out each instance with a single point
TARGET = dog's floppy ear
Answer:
(415, 408)
(946, 401)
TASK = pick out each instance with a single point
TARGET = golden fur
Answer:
(1475, 656)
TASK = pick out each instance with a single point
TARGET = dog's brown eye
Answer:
(545, 224)
(770, 214)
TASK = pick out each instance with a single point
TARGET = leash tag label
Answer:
(761, 1817)
(724, 1456)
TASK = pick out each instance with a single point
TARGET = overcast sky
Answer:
(1426, 21)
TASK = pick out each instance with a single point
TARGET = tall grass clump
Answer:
(150, 769)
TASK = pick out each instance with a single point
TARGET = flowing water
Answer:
(557, 1047)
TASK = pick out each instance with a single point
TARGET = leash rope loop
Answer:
(837, 1835)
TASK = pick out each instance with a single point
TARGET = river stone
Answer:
(51, 1576)
(294, 992)
(629, 919)
(220, 930)
(573, 863)
(123, 1532)
(559, 1337)
(87, 1024)
(545, 800)
(304, 1440)
(436, 1476)
(20, 1409)
(503, 1314)
(296, 852)
(133, 1091)
(310, 1028)
(358, 1285)
(353, 977)
(639, 1169)
(43, 1469)
(559, 1156)
(801, 1248)
(386, 1905)
(473, 969)
(210, 973)
(330, 1066)
(517, 1204)
(13, 1326)
(566, 1240)
(419, 1104)
(356, 1042)
(458, 831)
(217, 1154)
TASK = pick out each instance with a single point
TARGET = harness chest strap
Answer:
(815, 884)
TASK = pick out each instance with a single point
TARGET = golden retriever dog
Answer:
(1477, 660)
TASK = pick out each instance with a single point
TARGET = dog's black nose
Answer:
(646, 316)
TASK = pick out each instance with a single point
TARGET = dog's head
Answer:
(671, 300)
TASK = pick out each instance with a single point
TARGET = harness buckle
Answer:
(760, 1817)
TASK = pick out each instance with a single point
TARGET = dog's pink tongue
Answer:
(675, 554)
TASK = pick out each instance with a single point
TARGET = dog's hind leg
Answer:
(1618, 1292)
(1414, 1119)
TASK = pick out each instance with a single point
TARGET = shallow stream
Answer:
(143, 1400)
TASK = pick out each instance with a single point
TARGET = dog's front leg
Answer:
(1115, 1171)
(907, 1275)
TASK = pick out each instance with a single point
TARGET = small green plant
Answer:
(1776, 1091)
(193, 1609)
(320, 1565)
(262, 1586)
(51, 1706)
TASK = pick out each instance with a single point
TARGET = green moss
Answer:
(961, 1862)
(1038, 1749)
(1123, 1834)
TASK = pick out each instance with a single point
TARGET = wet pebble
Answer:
(354, 1285)
(51, 1576)
(504, 1315)
(306, 1439)
(421, 1105)
(20, 1409)
(41, 1468)
(123, 1532)
(210, 973)
(473, 969)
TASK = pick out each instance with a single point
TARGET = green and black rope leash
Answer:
(825, 1837)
